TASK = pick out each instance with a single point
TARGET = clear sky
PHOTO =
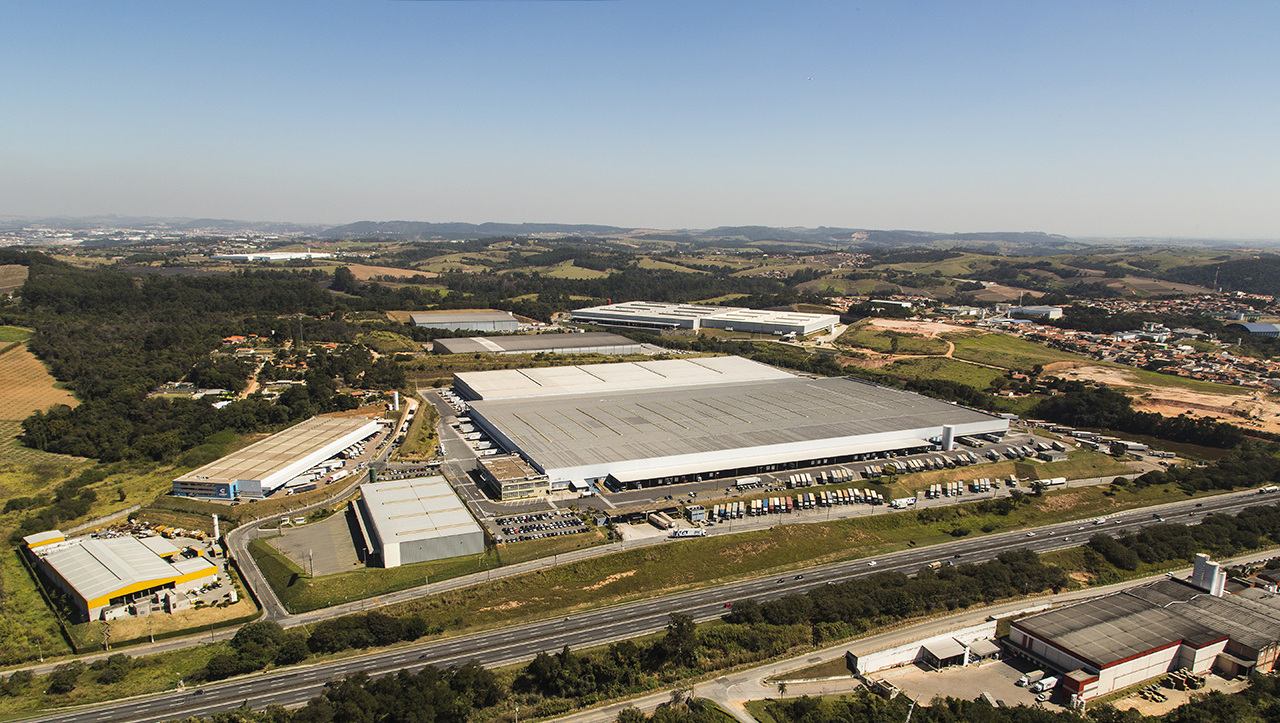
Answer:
(1083, 118)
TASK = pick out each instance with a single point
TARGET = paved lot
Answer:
(329, 543)
(998, 678)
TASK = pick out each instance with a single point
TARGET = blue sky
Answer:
(1088, 119)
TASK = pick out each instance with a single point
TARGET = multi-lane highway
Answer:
(522, 642)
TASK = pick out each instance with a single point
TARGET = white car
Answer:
(871, 564)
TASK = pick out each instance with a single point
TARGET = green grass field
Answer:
(943, 368)
(1010, 352)
(9, 334)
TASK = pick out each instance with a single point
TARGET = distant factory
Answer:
(467, 320)
(649, 423)
(655, 315)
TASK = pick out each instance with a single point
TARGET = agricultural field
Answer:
(12, 277)
(649, 262)
(11, 334)
(26, 386)
(569, 270)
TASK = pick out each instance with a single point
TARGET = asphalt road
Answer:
(519, 643)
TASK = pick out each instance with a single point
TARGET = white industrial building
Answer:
(265, 466)
(467, 320)
(608, 378)
(273, 256)
(415, 520)
(588, 343)
(1118, 640)
(646, 423)
(656, 315)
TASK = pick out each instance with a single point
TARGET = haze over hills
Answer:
(1020, 242)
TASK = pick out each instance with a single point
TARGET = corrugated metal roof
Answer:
(585, 429)
(601, 378)
(532, 342)
(100, 568)
(283, 455)
(1141, 619)
(416, 509)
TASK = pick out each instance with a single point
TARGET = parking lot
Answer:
(998, 679)
(539, 525)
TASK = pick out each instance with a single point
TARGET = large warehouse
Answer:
(415, 520)
(97, 574)
(655, 315)
(642, 424)
(589, 343)
(467, 320)
(615, 377)
(1115, 641)
(264, 467)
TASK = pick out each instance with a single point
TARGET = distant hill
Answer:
(460, 231)
(155, 223)
(1258, 275)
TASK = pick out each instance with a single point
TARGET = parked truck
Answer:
(1031, 678)
(1045, 684)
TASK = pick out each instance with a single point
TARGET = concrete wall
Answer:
(870, 661)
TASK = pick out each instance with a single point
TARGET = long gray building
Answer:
(587, 343)
(467, 320)
(657, 315)
(679, 432)
(415, 520)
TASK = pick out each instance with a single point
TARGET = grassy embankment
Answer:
(299, 592)
(642, 573)
(421, 439)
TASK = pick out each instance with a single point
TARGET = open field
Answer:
(26, 386)
(387, 342)
(652, 263)
(12, 277)
(569, 270)
(943, 368)
(885, 339)
(10, 334)
(368, 273)
(1009, 352)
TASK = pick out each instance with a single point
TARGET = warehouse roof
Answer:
(653, 312)
(584, 429)
(436, 317)
(295, 447)
(416, 509)
(101, 568)
(626, 376)
(1255, 327)
(531, 342)
(1116, 627)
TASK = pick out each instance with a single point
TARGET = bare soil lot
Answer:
(1251, 411)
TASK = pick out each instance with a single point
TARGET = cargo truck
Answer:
(1045, 684)
(1031, 678)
